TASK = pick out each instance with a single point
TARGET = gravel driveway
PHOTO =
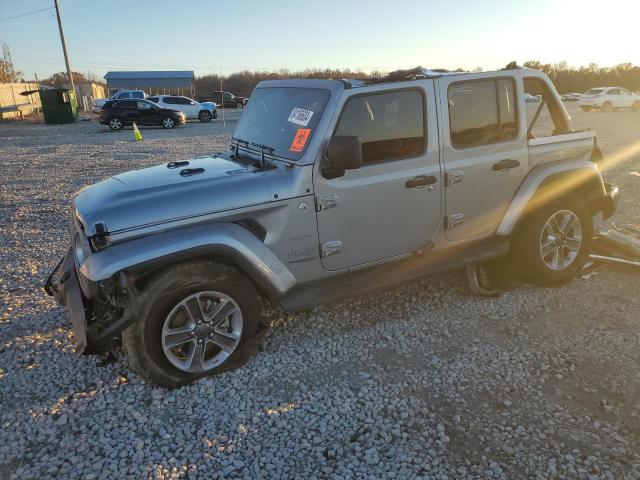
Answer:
(422, 381)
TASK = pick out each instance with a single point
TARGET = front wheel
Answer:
(636, 106)
(205, 116)
(168, 122)
(553, 243)
(239, 106)
(193, 319)
(607, 107)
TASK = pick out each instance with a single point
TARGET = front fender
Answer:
(578, 174)
(230, 240)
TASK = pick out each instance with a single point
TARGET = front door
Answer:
(485, 151)
(391, 205)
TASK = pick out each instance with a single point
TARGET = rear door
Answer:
(628, 98)
(484, 148)
(391, 205)
(129, 110)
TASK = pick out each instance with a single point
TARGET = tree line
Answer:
(566, 78)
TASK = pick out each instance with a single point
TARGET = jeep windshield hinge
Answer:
(326, 202)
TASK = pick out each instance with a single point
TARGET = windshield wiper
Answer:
(262, 149)
(238, 142)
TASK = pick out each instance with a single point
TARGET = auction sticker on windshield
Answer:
(300, 139)
(300, 116)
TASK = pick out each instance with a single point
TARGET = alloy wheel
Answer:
(560, 240)
(167, 122)
(202, 331)
(115, 123)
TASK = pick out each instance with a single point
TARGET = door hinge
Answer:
(454, 176)
(454, 220)
(326, 202)
(330, 248)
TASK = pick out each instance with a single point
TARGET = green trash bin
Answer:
(59, 105)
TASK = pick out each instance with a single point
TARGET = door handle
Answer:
(504, 165)
(421, 181)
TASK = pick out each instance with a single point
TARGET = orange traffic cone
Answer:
(136, 133)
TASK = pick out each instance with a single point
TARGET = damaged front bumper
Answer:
(610, 200)
(98, 312)
(63, 285)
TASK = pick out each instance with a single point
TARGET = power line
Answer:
(26, 13)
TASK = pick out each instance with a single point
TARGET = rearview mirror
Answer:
(343, 153)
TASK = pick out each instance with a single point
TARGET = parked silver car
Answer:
(328, 189)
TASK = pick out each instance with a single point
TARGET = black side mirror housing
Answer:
(343, 153)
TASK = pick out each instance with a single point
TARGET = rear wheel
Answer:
(115, 123)
(585, 109)
(239, 105)
(168, 122)
(193, 319)
(607, 107)
(553, 243)
(205, 116)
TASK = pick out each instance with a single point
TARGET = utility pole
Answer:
(64, 46)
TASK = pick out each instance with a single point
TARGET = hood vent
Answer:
(187, 172)
(177, 164)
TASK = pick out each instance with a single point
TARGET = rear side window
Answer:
(153, 99)
(169, 100)
(482, 112)
(390, 125)
(126, 104)
(137, 94)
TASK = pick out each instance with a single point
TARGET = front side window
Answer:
(137, 95)
(153, 99)
(169, 100)
(482, 112)
(614, 91)
(183, 101)
(144, 105)
(390, 125)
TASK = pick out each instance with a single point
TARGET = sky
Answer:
(224, 36)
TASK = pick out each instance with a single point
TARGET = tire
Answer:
(636, 106)
(607, 107)
(215, 114)
(537, 235)
(585, 109)
(239, 106)
(160, 309)
(116, 123)
(205, 116)
(168, 123)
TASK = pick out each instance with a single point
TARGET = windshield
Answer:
(283, 118)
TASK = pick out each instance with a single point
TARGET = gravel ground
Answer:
(423, 381)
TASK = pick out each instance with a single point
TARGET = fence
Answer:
(13, 105)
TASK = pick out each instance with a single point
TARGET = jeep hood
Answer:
(171, 192)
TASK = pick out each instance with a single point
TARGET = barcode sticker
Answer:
(300, 116)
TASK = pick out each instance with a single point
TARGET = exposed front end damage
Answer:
(98, 311)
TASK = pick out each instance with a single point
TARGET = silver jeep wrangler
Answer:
(329, 188)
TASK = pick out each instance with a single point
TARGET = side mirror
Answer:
(192, 102)
(343, 153)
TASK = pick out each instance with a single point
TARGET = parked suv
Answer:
(328, 189)
(228, 100)
(204, 111)
(608, 99)
(119, 113)
(123, 95)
